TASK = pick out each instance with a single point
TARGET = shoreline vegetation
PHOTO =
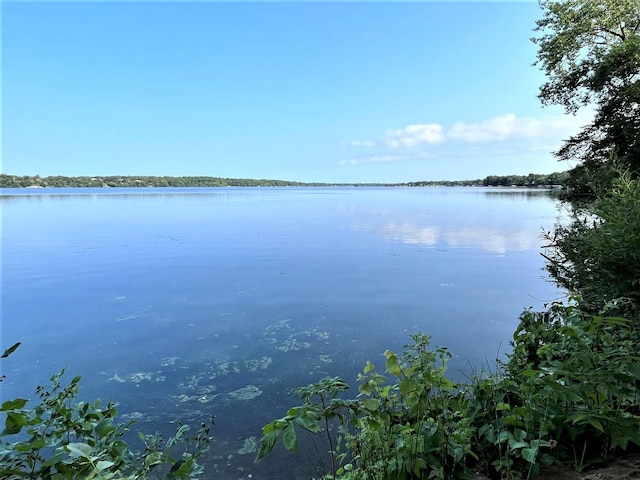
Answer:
(532, 180)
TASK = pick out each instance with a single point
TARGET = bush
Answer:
(585, 371)
(61, 438)
(567, 394)
(598, 254)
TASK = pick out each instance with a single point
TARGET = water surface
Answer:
(191, 302)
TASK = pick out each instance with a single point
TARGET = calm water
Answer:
(191, 302)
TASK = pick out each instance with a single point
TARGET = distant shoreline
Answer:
(553, 180)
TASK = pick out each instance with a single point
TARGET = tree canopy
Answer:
(590, 51)
(581, 46)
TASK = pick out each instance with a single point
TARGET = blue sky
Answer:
(306, 91)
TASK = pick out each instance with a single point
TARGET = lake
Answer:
(183, 303)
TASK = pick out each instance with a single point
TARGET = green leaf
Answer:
(616, 321)
(514, 445)
(309, 424)
(392, 365)
(57, 458)
(181, 468)
(103, 465)
(488, 432)
(289, 438)
(10, 350)
(14, 423)
(503, 436)
(371, 404)
(268, 428)
(634, 369)
(406, 386)
(154, 458)
(595, 423)
(16, 404)
(539, 443)
(367, 388)
(373, 423)
(23, 447)
(267, 442)
(38, 443)
(79, 450)
(446, 384)
(529, 454)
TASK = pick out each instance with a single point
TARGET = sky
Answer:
(301, 91)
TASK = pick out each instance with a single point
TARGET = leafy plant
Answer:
(568, 393)
(322, 405)
(414, 427)
(411, 428)
(60, 438)
(587, 368)
(598, 254)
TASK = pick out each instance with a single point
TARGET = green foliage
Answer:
(598, 254)
(406, 426)
(568, 394)
(577, 39)
(59, 181)
(14, 181)
(590, 51)
(530, 180)
(587, 369)
(60, 438)
(322, 405)
(412, 424)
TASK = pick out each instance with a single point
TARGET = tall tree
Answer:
(590, 51)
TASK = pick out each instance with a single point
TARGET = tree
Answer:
(590, 51)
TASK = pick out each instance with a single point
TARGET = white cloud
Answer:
(509, 126)
(550, 129)
(363, 143)
(494, 129)
(503, 135)
(371, 159)
(413, 135)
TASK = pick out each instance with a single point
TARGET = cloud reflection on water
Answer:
(486, 238)
(486, 223)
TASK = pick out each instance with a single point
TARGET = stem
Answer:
(326, 426)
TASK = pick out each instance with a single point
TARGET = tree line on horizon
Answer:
(59, 181)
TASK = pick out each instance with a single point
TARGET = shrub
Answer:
(568, 393)
(60, 438)
(598, 254)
